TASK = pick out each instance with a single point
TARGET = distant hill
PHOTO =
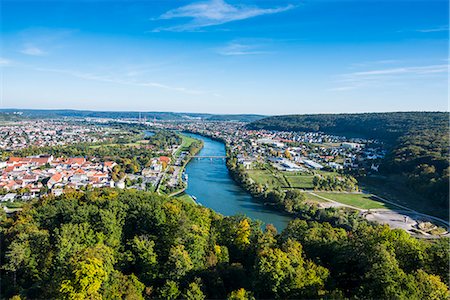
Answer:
(43, 113)
(237, 118)
(6, 117)
(384, 126)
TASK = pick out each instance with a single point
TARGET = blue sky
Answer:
(267, 57)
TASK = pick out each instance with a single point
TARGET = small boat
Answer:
(195, 198)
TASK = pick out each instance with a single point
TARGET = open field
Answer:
(186, 142)
(185, 198)
(266, 177)
(135, 144)
(359, 200)
(313, 198)
(300, 181)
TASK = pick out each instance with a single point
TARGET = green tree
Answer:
(179, 262)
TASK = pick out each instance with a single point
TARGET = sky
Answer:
(225, 56)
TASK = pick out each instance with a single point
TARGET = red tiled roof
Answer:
(164, 159)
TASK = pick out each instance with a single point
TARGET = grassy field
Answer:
(310, 197)
(363, 201)
(300, 181)
(267, 177)
(185, 198)
(135, 144)
(282, 179)
(186, 142)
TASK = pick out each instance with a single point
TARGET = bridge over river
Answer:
(209, 156)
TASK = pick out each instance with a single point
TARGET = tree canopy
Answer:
(115, 244)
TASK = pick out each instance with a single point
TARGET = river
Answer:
(210, 181)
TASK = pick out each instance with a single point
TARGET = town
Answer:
(133, 157)
(40, 133)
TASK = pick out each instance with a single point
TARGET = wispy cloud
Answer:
(132, 82)
(377, 63)
(383, 77)
(240, 49)
(436, 29)
(30, 49)
(4, 61)
(214, 12)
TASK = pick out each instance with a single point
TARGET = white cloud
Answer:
(404, 70)
(239, 49)
(214, 12)
(4, 61)
(110, 79)
(30, 49)
(384, 77)
(437, 29)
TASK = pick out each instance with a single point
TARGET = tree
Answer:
(194, 292)
(169, 290)
(90, 270)
(284, 273)
(430, 287)
(145, 257)
(287, 154)
(179, 262)
(240, 294)
(243, 233)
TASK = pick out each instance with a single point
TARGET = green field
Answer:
(266, 177)
(363, 201)
(135, 144)
(185, 198)
(312, 198)
(300, 181)
(186, 142)
(280, 179)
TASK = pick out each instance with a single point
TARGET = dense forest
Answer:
(114, 244)
(418, 143)
(383, 126)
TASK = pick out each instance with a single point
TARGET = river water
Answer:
(210, 181)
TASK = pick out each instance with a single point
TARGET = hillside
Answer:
(418, 144)
(112, 244)
(385, 126)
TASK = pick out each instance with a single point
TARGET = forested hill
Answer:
(7, 117)
(384, 126)
(113, 244)
(148, 115)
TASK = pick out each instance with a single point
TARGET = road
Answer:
(406, 219)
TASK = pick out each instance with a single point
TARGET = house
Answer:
(164, 159)
(110, 164)
(57, 192)
(76, 161)
(54, 179)
(335, 166)
(120, 184)
(351, 145)
(312, 164)
(9, 197)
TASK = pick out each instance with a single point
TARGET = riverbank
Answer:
(368, 207)
(211, 183)
(192, 147)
